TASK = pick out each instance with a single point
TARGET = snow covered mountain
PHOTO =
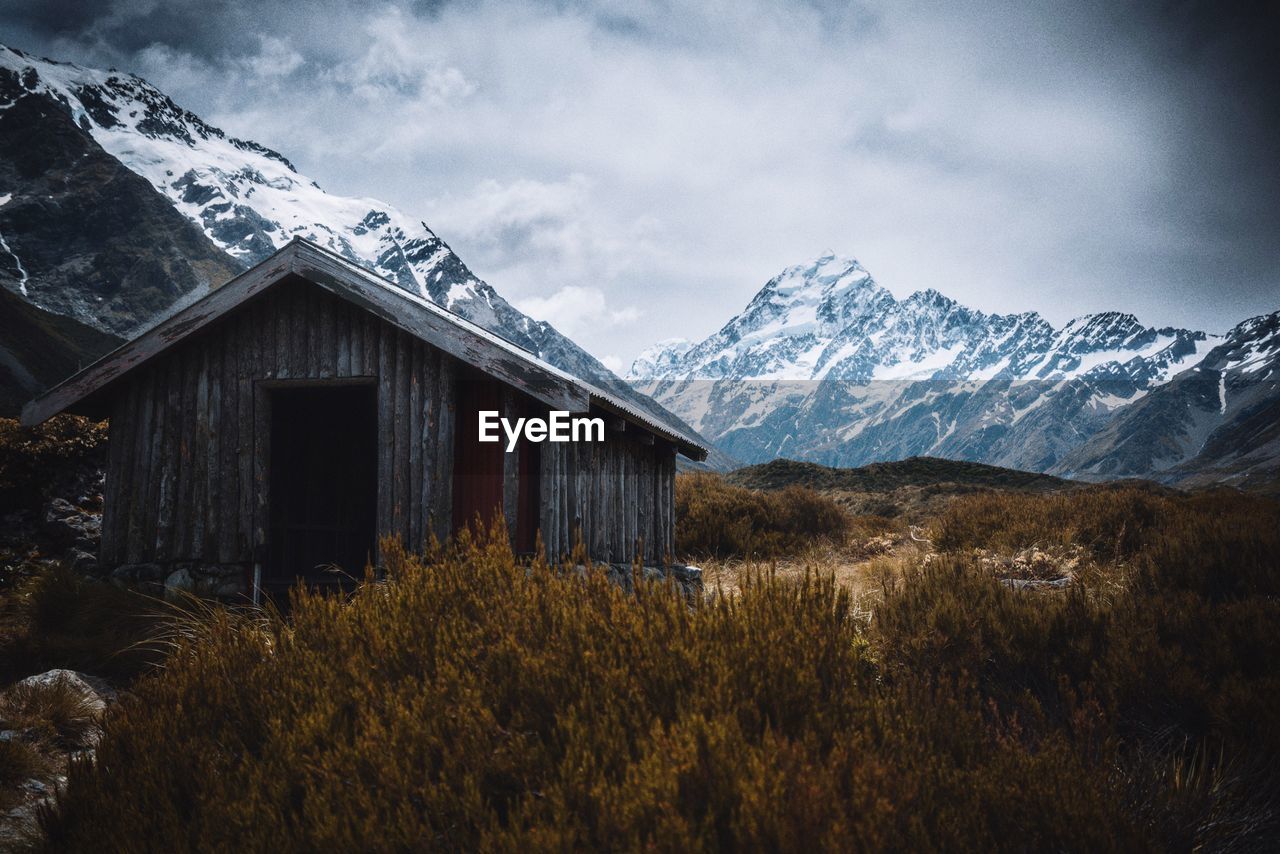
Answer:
(247, 200)
(824, 364)
(1216, 423)
(81, 236)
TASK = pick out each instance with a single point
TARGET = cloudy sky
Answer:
(635, 171)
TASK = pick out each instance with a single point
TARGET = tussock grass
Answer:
(19, 761)
(473, 702)
(39, 723)
(715, 518)
(54, 713)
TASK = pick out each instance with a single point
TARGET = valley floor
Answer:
(919, 667)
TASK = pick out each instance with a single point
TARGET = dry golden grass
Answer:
(865, 691)
(472, 702)
(859, 564)
(717, 519)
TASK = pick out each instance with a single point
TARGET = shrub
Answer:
(471, 702)
(67, 620)
(1178, 687)
(1197, 538)
(34, 458)
(714, 518)
(952, 619)
(1220, 545)
(870, 525)
(1111, 522)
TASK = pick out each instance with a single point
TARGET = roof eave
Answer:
(690, 449)
(120, 361)
(454, 334)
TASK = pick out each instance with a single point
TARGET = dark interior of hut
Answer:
(323, 490)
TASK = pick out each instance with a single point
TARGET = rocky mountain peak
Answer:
(659, 357)
(825, 364)
(247, 201)
(109, 100)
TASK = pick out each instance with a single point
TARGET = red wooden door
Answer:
(477, 466)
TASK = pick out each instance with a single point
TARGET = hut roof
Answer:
(456, 335)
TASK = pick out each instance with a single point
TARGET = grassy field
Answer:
(915, 489)
(1024, 669)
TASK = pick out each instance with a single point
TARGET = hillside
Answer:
(1215, 423)
(39, 348)
(883, 477)
(911, 490)
(83, 237)
(228, 203)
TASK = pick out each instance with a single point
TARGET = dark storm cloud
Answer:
(1223, 59)
(1066, 157)
(52, 18)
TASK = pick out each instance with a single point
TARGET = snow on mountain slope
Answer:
(826, 364)
(250, 200)
(829, 318)
(659, 357)
(1217, 422)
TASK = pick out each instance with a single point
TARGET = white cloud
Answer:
(559, 228)
(179, 69)
(397, 65)
(676, 155)
(575, 310)
(275, 58)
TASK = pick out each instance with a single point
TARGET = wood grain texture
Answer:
(312, 349)
(189, 452)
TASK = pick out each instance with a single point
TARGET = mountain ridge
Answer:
(249, 200)
(824, 364)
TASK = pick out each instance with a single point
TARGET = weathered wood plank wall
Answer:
(188, 462)
(617, 496)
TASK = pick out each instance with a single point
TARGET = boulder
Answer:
(138, 574)
(219, 581)
(179, 584)
(95, 692)
(81, 561)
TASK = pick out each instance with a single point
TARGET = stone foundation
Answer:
(225, 581)
(231, 582)
(687, 578)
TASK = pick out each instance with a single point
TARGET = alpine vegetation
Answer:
(472, 701)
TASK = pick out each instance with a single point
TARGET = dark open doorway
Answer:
(323, 485)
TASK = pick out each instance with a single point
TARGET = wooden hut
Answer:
(292, 416)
